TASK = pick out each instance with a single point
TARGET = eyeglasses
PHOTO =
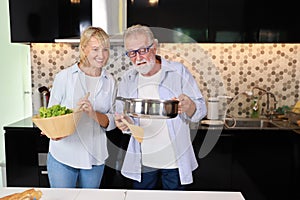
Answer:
(141, 51)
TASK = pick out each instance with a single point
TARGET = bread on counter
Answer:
(30, 194)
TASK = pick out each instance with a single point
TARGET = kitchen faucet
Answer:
(232, 99)
(269, 113)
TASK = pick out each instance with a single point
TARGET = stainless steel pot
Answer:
(150, 108)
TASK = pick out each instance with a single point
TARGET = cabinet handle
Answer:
(44, 172)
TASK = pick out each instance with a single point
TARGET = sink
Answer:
(286, 124)
(249, 123)
(254, 124)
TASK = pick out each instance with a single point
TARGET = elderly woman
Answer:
(78, 160)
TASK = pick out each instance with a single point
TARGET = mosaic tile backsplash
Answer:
(219, 69)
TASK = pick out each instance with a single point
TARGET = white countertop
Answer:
(116, 194)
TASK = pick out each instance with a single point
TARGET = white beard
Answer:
(146, 68)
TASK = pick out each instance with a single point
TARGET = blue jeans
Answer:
(64, 176)
(150, 179)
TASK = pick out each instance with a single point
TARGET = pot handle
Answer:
(122, 99)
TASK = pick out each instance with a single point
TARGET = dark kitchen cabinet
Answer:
(253, 21)
(214, 172)
(248, 21)
(226, 21)
(26, 155)
(25, 152)
(262, 164)
(33, 21)
(73, 17)
(186, 16)
(46, 20)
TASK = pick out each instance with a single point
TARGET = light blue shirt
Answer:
(87, 146)
(175, 80)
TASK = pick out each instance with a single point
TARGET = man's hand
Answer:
(186, 105)
(118, 121)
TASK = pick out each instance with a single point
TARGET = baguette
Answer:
(30, 194)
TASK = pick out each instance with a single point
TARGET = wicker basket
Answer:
(59, 126)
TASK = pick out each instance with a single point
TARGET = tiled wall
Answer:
(220, 69)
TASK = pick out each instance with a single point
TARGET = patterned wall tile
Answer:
(219, 69)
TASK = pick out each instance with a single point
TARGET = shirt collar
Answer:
(75, 69)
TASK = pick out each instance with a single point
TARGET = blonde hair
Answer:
(86, 35)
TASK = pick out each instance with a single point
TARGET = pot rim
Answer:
(148, 100)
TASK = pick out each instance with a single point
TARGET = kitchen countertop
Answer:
(27, 123)
(120, 194)
(24, 123)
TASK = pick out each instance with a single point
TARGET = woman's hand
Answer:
(55, 139)
(186, 105)
(86, 106)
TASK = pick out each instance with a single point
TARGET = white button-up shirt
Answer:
(87, 146)
(175, 80)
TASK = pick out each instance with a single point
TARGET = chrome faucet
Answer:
(232, 99)
(269, 113)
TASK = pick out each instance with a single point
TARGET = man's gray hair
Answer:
(138, 30)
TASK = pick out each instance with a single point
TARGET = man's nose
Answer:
(138, 56)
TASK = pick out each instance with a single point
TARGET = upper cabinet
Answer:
(74, 16)
(248, 21)
(33, 20)
(189, 17)
(47, 20)
(211, 21)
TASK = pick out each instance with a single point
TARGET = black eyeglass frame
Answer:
(145, 50)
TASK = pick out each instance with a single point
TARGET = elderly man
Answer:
(166, 153)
